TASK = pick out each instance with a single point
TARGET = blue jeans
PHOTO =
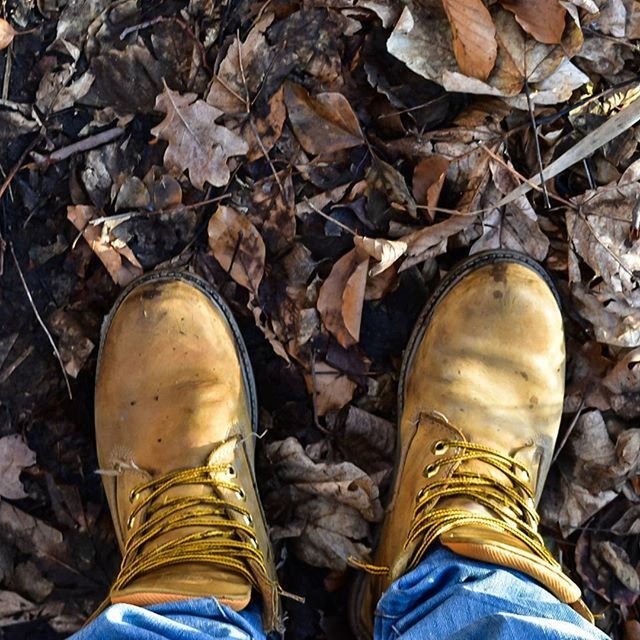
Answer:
(446, 596)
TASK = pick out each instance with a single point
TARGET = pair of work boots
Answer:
(481, 392)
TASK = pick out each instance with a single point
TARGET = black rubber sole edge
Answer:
(454, 276)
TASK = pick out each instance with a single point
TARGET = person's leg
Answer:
(449, 597)
(201, 619)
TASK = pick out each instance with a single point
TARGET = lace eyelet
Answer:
(254, 543)
(248, 519)
(231, 471)
(439, 447)
(430, 470)
(130, 522)
(420, 495)
(241, 494)
(133, 496)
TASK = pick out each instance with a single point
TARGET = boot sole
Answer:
(448, 282)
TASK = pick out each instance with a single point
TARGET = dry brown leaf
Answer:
(353, 298)
(7, 34)
(543, 19)
(114, 254)
(196, 143)
(237, 246)
(341, 297)
(386, 252)
(273, 211)
(514, 226)
(421, 40)
(331, 389)
(242, 70)
(428, 179)
(15, 456)
(332, 503)
(605, 246)
(323, 123)
(474, 36)
(268, 128)
(73, 344)
(386, 187)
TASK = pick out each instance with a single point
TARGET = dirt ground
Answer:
(323, 163)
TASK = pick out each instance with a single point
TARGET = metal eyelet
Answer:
(241, 494)
(254, 543)
(439, 447)
(420, 494)
(248, 519)
(430, 470)
(231, 471)
(133, 496)
(130, 522)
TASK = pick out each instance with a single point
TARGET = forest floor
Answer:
(323, 163)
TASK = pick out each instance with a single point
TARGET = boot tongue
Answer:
(191, 579)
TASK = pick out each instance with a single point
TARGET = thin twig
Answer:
(119, 218)
(247, 103)
(329, 218)
(39, 318)
(85, 144)
(571, 427)
(8, 65)
(532, 116)
(6, 374)
(16, 167)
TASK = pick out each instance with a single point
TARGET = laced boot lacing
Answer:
(223, 542)
(513, 505)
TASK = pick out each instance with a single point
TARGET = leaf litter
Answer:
(323, 165)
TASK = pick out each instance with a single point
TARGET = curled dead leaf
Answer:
(428, 179)
(323, 123)
(331, 389)
(7, 34)
(342, 295)
(386, 252)
(237, 246)
(114, 253)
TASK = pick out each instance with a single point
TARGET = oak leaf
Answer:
(474, 37)
(196, 143)
(237, 246)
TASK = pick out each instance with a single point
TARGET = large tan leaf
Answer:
(474, 42)
(196, 142)
(237, 246)
(543, 19)
(331, 388)
(423, 42)
(324, 123)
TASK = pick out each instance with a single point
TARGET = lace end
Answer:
(291, 596)
(372, 569)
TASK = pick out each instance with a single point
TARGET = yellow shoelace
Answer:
(225, 542)
(513, 504)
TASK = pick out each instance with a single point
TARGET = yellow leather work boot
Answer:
(175, 414)
(480, 399)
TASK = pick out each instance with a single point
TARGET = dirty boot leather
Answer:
(480, 397)
(175, 411)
